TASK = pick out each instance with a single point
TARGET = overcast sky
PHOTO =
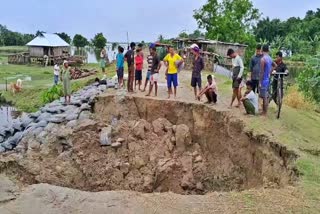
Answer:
(143, 19)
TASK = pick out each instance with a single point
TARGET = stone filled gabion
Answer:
(55, 112)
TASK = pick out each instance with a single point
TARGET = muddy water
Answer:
(7, 114)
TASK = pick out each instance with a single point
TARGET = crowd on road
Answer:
(258, 82)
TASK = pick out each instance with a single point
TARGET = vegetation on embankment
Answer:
(30, 99)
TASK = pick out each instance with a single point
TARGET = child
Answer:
(210, 91)
(139, 65)
(250, 99)
(149, 60)
(120, 62)
(155, 67)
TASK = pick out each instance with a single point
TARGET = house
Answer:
(48, 45)
(213, 52)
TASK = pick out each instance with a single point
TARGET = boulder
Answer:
(139, 130)
(2, 149)
(85, 124)
(72, 116)
(3, 132)
(161, 125)
(116, 145)
(7, 145)
(105, 136)
(72, 123)
(44, 116)
(183, 137)
(85, 107)
(35, 115)
(26, 121)
(17, 125)
(84, 115)
(102, 88)
(59, 118)
(37, 131)
(1, 139)
(76, 102)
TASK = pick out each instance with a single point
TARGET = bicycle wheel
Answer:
(279, 96)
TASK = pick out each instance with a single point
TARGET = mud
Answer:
(162, 146)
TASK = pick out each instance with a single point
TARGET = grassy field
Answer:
(29, 99)
(299, 130)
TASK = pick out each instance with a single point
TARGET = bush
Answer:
(309, 79)
(295, 99)
(298, 58)
(52, 94)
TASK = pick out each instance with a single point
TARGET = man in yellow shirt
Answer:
(172, 61)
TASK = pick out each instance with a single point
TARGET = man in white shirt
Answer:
(237, 72)
(56, 73)
(250, 100)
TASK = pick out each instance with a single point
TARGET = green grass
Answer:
(29, 100)
(13, 49)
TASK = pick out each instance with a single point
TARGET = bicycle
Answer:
(279, 91)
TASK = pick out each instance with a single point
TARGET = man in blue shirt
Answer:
(255, 69)
(120, 62)
(264, 84)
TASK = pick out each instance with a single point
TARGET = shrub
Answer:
(53, 93)
(295, 99)
(309, 79)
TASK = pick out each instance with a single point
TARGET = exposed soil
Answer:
(163, 146)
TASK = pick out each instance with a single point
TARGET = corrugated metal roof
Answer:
(48, 40)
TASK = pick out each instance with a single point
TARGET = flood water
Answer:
(7, 114)
(93, 56)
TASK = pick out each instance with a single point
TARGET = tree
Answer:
(79, 41)
(65, 37)
(39, 33)
(196, 34)
(161, 38)
(114, 46)
(228, 20)
(183, 35)
(99, 41)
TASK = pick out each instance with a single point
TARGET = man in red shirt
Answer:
(139, 66)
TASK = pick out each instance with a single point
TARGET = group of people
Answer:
(134, 58)
(261, 68)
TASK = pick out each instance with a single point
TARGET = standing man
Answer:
(129, 57)
(255, 69)
(278, 67)
(172, 61)
(56, 73)
(155, 67)
(237, 72)
(264, 84)
(198, 66)
(149, 60)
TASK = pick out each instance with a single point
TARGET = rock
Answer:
(84, 115)
(2, 132)
(139, 162)
(59, 118)
(72, 124)
(72, 116)
(35, 115)
(125, 168)
(1, 139)
(174, 128)
(183, 137)
(187, 181)
(85, 124)
(116, 145)
(85, 107)
(2, 149)
(50, 127)
(102, 88)
(64, 133)
(37, 131)
(76, 102)
(173, 139)
(161, 125)
(120, 140)
(42, 137)
(198, 159)
(148, 182)
(33, 144)
(195, 153)
(44, 116)
(17, 125)
(54, 110)
(199, 186)
(16, 138)
(7, 145)
(105, 136)
(138, 130)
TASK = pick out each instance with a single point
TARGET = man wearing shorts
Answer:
(198, 66)
(172, 61)
(149, 60)
(155, 67)
(129, 56)
(264, 84)
(237, 72)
